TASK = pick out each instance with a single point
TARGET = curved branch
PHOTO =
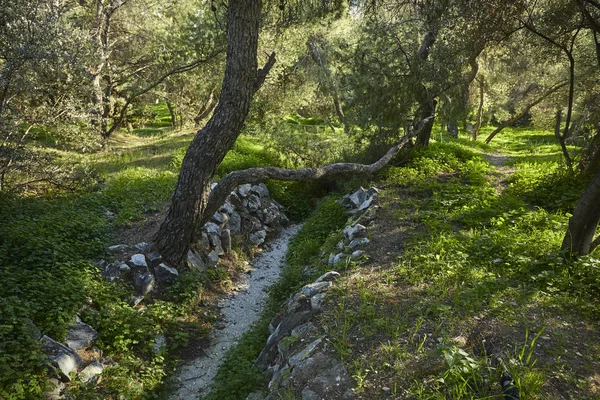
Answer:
(255, 175)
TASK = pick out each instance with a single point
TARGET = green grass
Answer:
(47, 242)
(236, 377)
(476, 264)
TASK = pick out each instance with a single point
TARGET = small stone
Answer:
(317, 301)
(62, 357)
(124, 268)
(219, 218)
(80, 335)
(366, 204)
(340, 245)
(313, 288)
(211, 227)
(355, 231)
(202, 245)
(258, 238)
(338, 258)
(213, 258)
(226, 240)
(136, 300)
(252, 203)
(244, 190)
(118, 248)
(235, 223)
(359, 242)
(166, 274)
(143, 283)
(331, 260)
(55, 390)
(138, 263)
(160, 344)
(154, 258)
(91, 372)
(194, 261)
(303, 329)
(357, 198)
(142, 246)
(357, 253)
(329, 276)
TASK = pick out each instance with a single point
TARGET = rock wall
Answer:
(297, 357)
(247, 217)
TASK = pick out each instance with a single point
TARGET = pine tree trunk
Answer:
(579, 239)
(210, 145)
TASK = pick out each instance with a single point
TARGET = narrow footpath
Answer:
(239, 310)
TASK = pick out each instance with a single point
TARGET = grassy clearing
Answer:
(461, 272)
(46, 246)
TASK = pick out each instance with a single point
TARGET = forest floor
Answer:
(463, 281)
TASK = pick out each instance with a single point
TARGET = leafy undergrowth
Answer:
(464, 280)
(47, 242)
(236, 377)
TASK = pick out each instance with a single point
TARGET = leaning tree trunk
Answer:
(426, 112)
(210, 145)
(579, 239)
(480, 108)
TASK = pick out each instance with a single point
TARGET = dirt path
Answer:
(239, 310)
(499, 177)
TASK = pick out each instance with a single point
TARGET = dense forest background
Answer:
(100, 99)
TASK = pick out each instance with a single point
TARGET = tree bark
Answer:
(524, 111)
(480, 108)
(172, 114)
(208, 107)
(187, 211)
(579, 239)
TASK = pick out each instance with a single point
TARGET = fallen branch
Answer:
(255, 175)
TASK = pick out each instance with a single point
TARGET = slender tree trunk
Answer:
(172, 114)
(426, 112)
(208, 107)
(480, 108)
(579, 239)
(210, 145)
(315, 54)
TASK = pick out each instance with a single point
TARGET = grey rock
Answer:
(304, 353)
(271, 215)
(137, 262)
(358, 197)
(322, 374)
(154, 258)
(227, 208)
(283, 220)
(142, 246)
(212, 258)
(298, 302)
(235, 223)
(255, 396)
(91, 372)
(143, 283)
(340, 245)
(112, 271)
(366, 204)
(213, 185)
(252, 203)
(258, 238)
(313, 288)
(355, 231)
(317, 301)
(55, 390)
(219, 218)
(358, 242)
(160, 344)
(226, 240)
(215, 241)
(283, 329)
(304, 329)
(80, 335)
(331, 259)
(260, 190)
(373, 191)
(63, 358)
(329, 276)
(194, 261)
(357, 253)
(124, 268)
(118, 249)
(166, 274)
(308, 394)
(278, 378)
(244, 190)
(202, 245)
(338, 258)
(211, 227)
(135, 300)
